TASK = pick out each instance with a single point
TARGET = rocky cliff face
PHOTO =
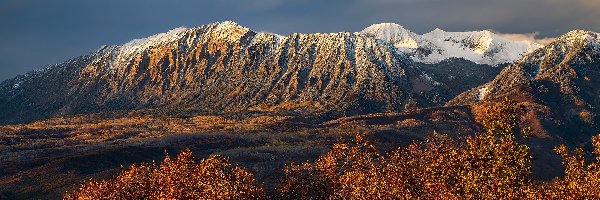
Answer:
(226, 67)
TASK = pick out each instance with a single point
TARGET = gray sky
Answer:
(35, 33)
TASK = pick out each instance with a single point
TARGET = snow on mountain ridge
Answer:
(481, 47)
(227, 25)
(478, 41)
(138, 45)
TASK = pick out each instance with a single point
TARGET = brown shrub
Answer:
(180, 178)
(581, 181)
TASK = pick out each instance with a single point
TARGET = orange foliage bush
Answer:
(180, 178)
(359, 171)
(581, 181)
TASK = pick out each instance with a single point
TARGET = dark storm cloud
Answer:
(34, 33)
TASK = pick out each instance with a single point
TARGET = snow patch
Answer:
(592, 40)
(428, 78)
(482, 92)
(267, 36)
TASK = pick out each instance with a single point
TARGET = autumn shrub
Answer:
(180, 178)
(346, 169)
(581, 180)
(493, 164)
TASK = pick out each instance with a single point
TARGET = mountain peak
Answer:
(228, 25)
(580, 36)
(384, 27)
(393, 33)
(438, 30)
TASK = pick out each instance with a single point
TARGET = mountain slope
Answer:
(559, 83)
(41, 93)
(225, 67)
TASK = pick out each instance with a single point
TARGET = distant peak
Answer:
(229, 22)
(393, 33)
(438, 30)
(383, 26)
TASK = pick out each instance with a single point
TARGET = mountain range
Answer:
(227, 67)
(265, 99)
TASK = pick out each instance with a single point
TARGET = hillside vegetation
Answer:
(490, 165)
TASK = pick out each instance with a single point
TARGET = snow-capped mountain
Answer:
(481, 47)
(226, 67)
(570, 62)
